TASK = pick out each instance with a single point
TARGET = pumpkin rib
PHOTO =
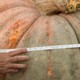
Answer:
(47, 32)
(75, 23)
(62, 24)
(9, 4)
(11, 15)
(31, 26)
(17, 22)
(13, 3)
(14, 14)
(25, 33)
(29, 3)
(71, 26)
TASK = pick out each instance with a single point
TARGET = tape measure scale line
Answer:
(54, 47)
(69, 46)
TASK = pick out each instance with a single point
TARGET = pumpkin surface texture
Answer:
(22, 25)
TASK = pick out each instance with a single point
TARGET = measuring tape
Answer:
(69, 46)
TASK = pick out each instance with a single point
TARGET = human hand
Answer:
(9, 61)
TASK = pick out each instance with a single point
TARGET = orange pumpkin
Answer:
(23, 26)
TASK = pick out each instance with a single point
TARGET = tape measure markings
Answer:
(69, 46)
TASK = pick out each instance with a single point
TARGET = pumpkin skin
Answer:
(54, 64)
(23, 26)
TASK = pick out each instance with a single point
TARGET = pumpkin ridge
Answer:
(14, 37)
(75, 23)
(46, 27)
(9, 18)
(16, 33)
(27, 31)
(19, 3)
(14, 22)
(14, 15)
(70, 25)
(10, 5)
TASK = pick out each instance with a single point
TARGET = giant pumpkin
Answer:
(21, 26)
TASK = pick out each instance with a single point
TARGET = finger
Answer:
(12, 70)
(18, 66)
(19, 58)
(8, 70)
(17, 52)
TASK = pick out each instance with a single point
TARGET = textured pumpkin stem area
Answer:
(48, 7)
(51, 6)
